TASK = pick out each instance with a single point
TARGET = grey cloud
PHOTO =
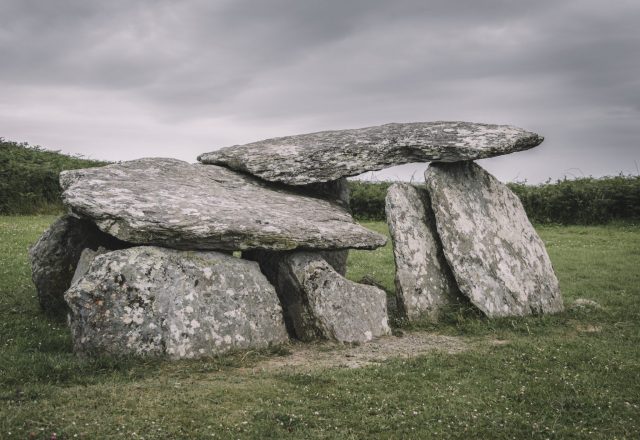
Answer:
(568, 69)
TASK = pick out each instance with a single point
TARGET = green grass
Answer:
(573, 375)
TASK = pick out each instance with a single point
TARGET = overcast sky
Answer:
(120, 80)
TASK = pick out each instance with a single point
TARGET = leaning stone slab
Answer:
(496, 256)
(171, 203)
(330, 155)
(321, 304)
(156, 301)
(424, 283)
(55, 255)
(84, 263)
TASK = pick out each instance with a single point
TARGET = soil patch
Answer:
(322, 355)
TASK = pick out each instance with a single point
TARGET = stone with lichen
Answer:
(497, 258)
(151, 301)
(55, 255)
(425, 286)
(319, 303)
(330, 155)
(171, 203)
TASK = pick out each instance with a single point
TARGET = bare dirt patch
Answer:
(306, 357)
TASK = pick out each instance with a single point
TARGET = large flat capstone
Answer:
(498, 260)
(171, 203)
(156, 301)
(425, 286)
(330, 155)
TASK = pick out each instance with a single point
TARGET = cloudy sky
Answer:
(119, 80)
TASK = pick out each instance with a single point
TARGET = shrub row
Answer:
(584, 201)
(29, 177)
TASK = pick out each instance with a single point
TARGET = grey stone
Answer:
(424, 284)
(86, 258)
(55, 255)
(321, 304)
(336, 259)
(336, 190)
(171, 203)
(269, 262)
(330, 155)
(157, 301)
(498, 260)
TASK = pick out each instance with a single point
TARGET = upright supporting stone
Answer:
(424, 283)
(319, 303)
(184, 304)
(496, 256)
(55, 255)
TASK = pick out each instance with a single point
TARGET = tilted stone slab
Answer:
(498, 260)
(319, 303)
(330, 155)
(55, 255)
(424, 283)
(156, 301)
(84, 263)
(171, 203)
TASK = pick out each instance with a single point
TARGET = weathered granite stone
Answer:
(330, 155)
(496, 256)
(321, 304)
(269, 262)
(156, 301)
(55, 255)
(336, 190)
(424, 283)
(86, 258)
(171, 203)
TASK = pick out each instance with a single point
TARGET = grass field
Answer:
(573, 375)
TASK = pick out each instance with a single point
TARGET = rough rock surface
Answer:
(84, 263)
(330, 155)
(499, 261)
(55, 255)
(321, 304)
(424, 283)
(336, 190)
(171, 203)
(155, 301)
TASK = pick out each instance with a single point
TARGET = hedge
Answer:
(585, 201)
(29, 177)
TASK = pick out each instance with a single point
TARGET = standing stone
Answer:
(496, 256)
(55, 255)
(424, 283)
(156, 301)
(171, 203)
(330, 155)
(321, 304)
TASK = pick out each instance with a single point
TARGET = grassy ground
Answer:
(573, 375)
